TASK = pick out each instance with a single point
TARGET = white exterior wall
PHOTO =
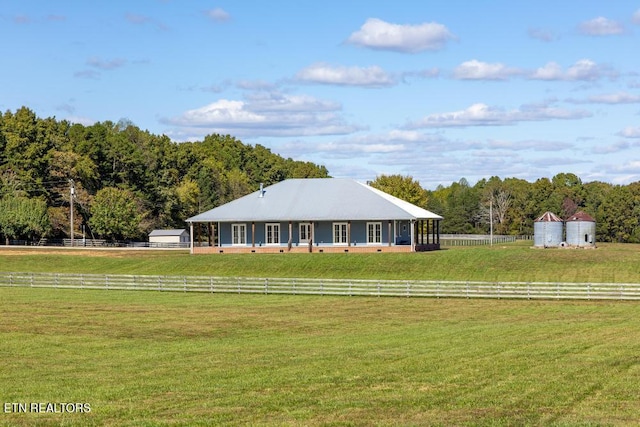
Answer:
(182, 238)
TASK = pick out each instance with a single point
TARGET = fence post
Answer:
(184, 283)
(378, 288)
(266, 286)
(106, 279)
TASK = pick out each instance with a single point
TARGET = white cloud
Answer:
(85, 121)
(611, 148)
(275, 101)
(349, 149)
(529, 145)
(609, 98)
(477, 70)
(230, 113)
(632, 166)
(381, 35)
(601, 26)
(87, 74)
(106, 65)
(582, 70)
(630, 132)
(321, 73)
(217, 15)
(262, 115)
(484, 115)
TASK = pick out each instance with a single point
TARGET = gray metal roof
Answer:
(174, 232)
(316, 199)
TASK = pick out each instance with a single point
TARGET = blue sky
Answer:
(435, 90)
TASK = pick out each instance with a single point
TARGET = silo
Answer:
(581, 230)
(547, 230)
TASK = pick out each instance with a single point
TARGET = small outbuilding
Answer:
(169, 238)
(547, 231)
(581, 230)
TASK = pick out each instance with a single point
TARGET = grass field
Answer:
(509, 262)
(180, 359)
(152, 358)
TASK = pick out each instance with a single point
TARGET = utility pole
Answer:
(491, 219)
(72, 194)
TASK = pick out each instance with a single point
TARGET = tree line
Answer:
(514, 204)
(124, 181)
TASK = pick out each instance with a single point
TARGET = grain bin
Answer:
(547, 231)
(581, 230)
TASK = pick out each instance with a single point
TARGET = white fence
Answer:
(476, 239)
(396, 288)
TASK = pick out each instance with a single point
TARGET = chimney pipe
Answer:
(261, 190)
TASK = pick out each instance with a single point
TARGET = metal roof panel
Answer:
(315, 199)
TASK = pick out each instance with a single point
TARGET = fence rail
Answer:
(395, 288)
(477, 239)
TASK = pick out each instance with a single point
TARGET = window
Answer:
(272, 232)
(305, 233)
(374, 232)
(339, 233)
(239, 234)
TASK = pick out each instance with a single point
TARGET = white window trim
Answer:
(333, 233)
(378, 224)
(243, 235)
(308, 229)
(266, 234)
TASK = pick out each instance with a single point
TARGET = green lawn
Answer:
(153, 358)
(509, 262)
(150, 358)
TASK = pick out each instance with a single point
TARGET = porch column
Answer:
(389, 232)
(433, 230)
(191, 238)
(413, 235)
(253, 234)
(348, 233)
(312, 231)
(290, 241)
(219, 235)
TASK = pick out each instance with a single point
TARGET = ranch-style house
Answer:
(315, 215)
